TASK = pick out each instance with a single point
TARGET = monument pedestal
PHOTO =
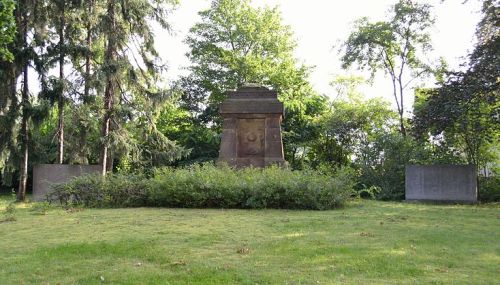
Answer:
(251, 134)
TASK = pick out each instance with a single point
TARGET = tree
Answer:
(15, 116)
(86, 51)
(130, 68)
(395, 46)
(10, 69)
(8, 28)
(351, 125)
(24, 26)
(235, 44)
(464, 112)
(73, 37)
(23, 176)
(60, 42)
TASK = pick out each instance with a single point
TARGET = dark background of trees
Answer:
(102, 99)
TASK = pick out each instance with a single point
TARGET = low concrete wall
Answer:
(447, 183)
(44, 175)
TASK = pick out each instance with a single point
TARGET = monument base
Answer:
(253, 162)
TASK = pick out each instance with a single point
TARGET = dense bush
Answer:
(213, 187)
(116, 190)
(489, 189)
(382, 165)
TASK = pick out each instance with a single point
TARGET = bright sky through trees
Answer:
(319, 25)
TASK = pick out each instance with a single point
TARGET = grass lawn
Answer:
(368, 242)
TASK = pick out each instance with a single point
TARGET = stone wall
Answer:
(44, 175)
(446, 183)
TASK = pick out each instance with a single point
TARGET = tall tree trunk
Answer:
(401, 100)
(23, 170)
(60, 102)
(402, 128)
(108, 109)
(109, 92)
(86, 90)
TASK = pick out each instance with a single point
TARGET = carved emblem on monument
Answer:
(251, 137)
(251, 134)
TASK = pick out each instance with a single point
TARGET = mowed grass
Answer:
(368, 242)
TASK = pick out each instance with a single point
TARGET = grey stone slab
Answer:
(441, 183)
(45, 175)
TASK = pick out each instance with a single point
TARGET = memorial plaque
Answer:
(445, 183)
(251, 137)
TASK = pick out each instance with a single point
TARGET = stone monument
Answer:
(44, 175)
(441, 183)
(251, 134)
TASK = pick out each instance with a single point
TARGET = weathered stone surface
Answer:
(251, 106)
(251, 133)
(251, 136)
(445, 183)
(44, 175)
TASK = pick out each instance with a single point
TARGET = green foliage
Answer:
(362, 134)
(133, 92)
(40, 208)
(9, 213)
(382, 164)
(75, 33)
(464, 111)
(489, 189)
(7, 28)
(236, 44)
(212, 187)
(116, 190)
(351, 125)
(394, 46)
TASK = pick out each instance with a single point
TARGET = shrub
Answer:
(116, 190)
(40, 208)
(9, 213)
(489, 189)
(208, 186)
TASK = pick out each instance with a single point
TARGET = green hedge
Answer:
(208, 186)
(489, 189)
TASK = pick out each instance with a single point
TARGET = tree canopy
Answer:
(465, 110)
(81, 82)
(396, 46)
(8, 28)
(236, 43)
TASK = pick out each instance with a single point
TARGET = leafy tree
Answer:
(352, 124)
(131, 69)
(10, 69)
(464, 111)
(15, 115)
(363, 134)
(235, 44)
(395, 46)
(8, 28)
(74, 36)
(61, 42)
(86, 46)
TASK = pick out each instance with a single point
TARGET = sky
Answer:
(319, 25)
